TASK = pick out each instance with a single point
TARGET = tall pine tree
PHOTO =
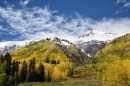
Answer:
(40, 73)
(13, 67)
(31, 75)
(23, 72)
(7, 57)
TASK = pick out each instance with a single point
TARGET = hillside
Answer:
(112, 62)
(41, 61)
(47, 49)
(120, 47)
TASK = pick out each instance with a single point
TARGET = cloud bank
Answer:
(38, 23)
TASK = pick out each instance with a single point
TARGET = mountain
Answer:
(11, 46)
(89, 43)
(94, 40)
(112, 62)
(96, 35)
(53, 50)
(118, 48)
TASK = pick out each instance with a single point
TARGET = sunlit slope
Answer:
(118, 49)
(43, 50)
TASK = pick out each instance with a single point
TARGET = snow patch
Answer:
(65, 43)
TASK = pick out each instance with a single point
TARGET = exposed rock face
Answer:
(93, 40)
(78, 57)
(91, 47)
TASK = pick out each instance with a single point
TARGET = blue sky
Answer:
(39, 19)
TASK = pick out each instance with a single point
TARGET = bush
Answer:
(58, 75)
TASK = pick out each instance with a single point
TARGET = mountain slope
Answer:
(112, 62)
(94, 40)
(43, 50)
(118, 49)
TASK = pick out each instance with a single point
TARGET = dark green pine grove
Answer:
(11, 74)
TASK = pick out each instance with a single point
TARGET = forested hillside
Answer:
(113, 62)
(41, 61)
(51, 50)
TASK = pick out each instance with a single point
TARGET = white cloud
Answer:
(24, 3)
(125, 7)
(38, 23)
(115, 26)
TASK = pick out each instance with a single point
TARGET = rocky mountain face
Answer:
(94, 40)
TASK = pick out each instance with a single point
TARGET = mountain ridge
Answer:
(93, 40)
(89, 42)
(48, 49)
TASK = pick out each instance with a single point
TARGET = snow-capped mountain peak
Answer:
(93, 40)
(94, 32)
(97, 35)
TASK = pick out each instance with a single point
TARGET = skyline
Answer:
(35, 20)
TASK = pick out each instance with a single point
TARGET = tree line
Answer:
(11, 73)
(14, 72)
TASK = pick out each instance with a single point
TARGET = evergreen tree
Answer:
(23, 72)
(7, 57)
(16, 66)
(16, 78)
(4, 67)
(31, 75)
(53, 61)
(40, 73)
(28, 78)
(13, 67)
(33, 72)
(47, 59)
(1, 59)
